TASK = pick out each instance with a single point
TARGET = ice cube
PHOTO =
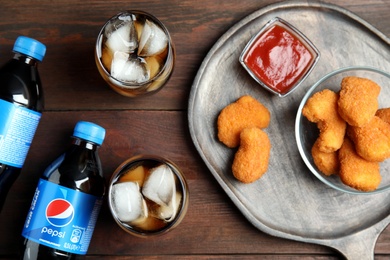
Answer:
(118, 63)
(153, 40)
(168, 213)
(122, 35)
(160, 186)
(127, 202)
(128, 68)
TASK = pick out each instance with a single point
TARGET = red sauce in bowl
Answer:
(278, 58)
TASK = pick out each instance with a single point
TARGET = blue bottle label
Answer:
(17, 129)
(62, 218)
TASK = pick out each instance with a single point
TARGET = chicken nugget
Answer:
(251, 159)
(321, 108)
(384, 114)
(245, 112)
(327, 163)
(372, 141)
(357, 172)
(358, 100)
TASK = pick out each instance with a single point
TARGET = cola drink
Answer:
(67, 200)
(21, 104)
(134, 53)
(148, 195)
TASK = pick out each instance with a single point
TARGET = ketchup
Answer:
(278, 58)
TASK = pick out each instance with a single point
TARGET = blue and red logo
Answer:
(59, 212)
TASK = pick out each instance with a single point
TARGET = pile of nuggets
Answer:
(240, 124)
(354, 135)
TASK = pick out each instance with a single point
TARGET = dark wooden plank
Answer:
(221, 257)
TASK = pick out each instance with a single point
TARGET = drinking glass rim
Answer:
(170, 54)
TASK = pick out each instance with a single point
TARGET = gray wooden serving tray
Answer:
(288, 201)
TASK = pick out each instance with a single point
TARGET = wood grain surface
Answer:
(213, 227)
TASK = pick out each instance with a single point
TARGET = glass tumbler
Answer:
(148, 195)
(134, 53)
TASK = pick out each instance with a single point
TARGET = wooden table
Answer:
(213, 227)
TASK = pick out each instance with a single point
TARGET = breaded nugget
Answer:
(358, 100)
(251, 159)
(327, 163)
(372, 141)
(384, 114)
(321, 108)
(245, 112)
(357, 172)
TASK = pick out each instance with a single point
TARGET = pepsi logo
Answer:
(59, 212)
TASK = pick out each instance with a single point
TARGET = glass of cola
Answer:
(148, 195)
(134, 53)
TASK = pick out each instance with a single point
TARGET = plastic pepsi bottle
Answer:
(21, 104)
(67, 200)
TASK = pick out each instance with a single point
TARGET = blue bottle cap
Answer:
(90, 132)
(30, 47)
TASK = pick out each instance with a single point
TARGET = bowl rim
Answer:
(299, 116)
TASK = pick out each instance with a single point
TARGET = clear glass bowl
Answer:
(306, 132)
(149, 226)
(279, 63)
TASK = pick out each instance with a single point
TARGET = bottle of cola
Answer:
(67, 200)
(21, 104)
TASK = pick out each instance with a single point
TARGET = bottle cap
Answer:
(90, 132)
(30, 47)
